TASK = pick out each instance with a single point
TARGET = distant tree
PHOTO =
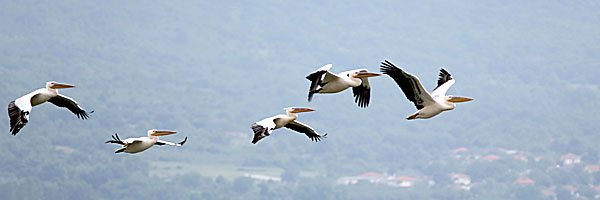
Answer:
(527, 192)
(220, 180)
(264, 191)
(242, 184)
(563, 194)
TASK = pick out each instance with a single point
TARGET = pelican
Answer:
(19, 109)
(323, 81)
(427, 105)
(264, 127)
(136, 145)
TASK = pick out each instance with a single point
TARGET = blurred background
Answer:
(209, 69)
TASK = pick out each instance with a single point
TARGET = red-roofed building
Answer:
(524, 181)
(592, 168)
(463, 181)
(508, 151)
(572, 190)
(570, 159)
(461, 149)
(370, 177)
(549, 192)
(491, 157)
(402, 181)
(538, 158)
(370, 174)
(521, 157)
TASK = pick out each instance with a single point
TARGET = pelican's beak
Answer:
(157, 133)
(61, 85)
(459, 99)
(366, 74)
(298, 110)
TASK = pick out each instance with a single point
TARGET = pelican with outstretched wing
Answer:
(428, 105)
(19, 109)
(264, 127)
(323, 81)
(136, 145)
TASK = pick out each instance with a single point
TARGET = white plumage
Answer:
(428, 105)
(136, 145)
(323, 81)
(20, 109)
(263, 128)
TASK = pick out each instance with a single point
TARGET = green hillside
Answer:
(210, 69)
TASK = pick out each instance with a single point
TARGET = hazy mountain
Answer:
(211, 69)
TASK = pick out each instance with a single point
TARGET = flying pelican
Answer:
(264, 127)
(136, 145)
(427, 105)
(323, 81)
(19, 109)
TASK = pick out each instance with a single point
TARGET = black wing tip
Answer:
(83, 114)
(318, 138)
(362, 96)
(17, 127)
(115, 139)
(257, 138)
(315, 75)
(120, 150)
(387, 67)
(183, 142)
(260, 132)
(445, 73)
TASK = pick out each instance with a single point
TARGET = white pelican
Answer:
(19, 109)
(136, 145)
(264, 127)
(323, 81)
(427, 105)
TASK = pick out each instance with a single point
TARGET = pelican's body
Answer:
(19, 109)
(428, 105)
(323, 81)
(263, 128)
(136, 145)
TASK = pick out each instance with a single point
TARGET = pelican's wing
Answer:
(17, 118)
(133, 141)
(262, 129)
(161, 142)
(303, 128)
(410, 85)
(115, 140)
(319, 78)
(362, 93)
(444, 83)
(18, 112)
(64, 101)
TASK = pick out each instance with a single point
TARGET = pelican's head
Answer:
(55, 85)
(298, 110)
(154, 132)
(454, 99)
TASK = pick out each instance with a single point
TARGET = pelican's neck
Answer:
(447, 105)
(53, 91)
(151, 136)
(292, 115)
(353, 82)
